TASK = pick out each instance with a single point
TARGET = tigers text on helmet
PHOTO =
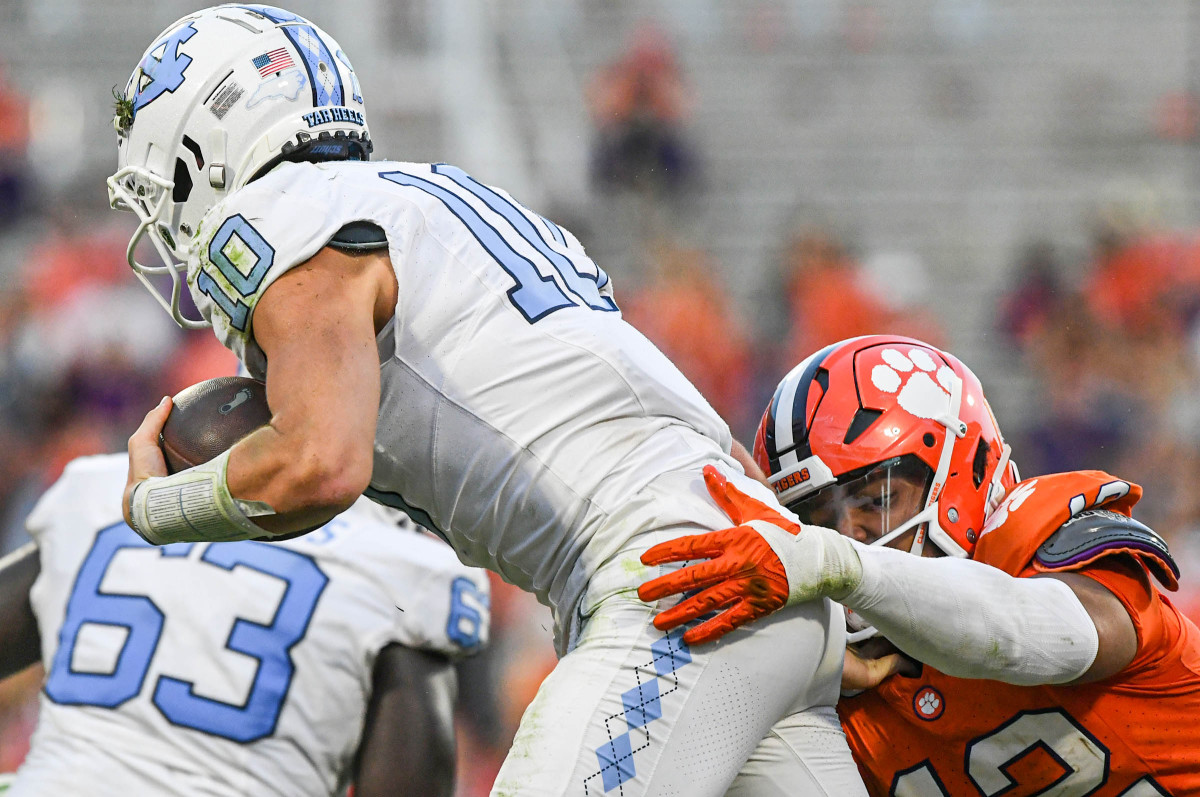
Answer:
(862, 409)
(219, 98)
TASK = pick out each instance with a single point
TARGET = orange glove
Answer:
(764, 563)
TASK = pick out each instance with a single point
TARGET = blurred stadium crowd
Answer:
(1101, 343)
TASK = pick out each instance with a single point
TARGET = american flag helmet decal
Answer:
(274, 61)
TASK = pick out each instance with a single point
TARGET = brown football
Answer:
(209, 417)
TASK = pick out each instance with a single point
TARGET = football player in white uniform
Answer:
(453, 354)
(235, 667)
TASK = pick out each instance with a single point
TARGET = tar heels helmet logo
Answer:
(221, 97)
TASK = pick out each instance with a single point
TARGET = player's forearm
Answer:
(317, 326)
(305, 482)
(974, 621)
(746, 460)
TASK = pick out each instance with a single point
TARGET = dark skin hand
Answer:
(20, 645)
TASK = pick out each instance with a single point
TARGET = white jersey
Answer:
(520, 416)
(222, 668)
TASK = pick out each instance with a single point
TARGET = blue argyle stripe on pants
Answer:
(641, 706)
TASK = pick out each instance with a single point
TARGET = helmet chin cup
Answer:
(148, 201)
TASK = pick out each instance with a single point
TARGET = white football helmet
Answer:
(221, 97)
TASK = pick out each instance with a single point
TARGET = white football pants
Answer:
(632, 711)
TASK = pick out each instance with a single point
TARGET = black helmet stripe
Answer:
(784, 434)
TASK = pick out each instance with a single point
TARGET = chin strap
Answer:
(996, 491)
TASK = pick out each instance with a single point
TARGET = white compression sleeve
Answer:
(972, 620)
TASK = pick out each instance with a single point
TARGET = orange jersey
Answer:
(1136, 734)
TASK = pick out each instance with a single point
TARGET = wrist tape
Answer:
(194, 505)
(971, 620)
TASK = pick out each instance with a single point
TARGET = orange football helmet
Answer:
(853, 416)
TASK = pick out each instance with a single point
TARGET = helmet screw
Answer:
(971, 535)
(952, 513)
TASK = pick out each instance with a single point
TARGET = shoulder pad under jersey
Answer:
(1095, 533)
(359, 236)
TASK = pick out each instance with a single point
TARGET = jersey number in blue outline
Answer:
(245, 282)
(270, 644)
(535, 295)
(467, 604)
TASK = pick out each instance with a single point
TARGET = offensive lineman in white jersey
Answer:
(235, 668)
(451, 353)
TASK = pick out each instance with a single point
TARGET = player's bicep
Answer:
(408, 737)
(316, 324)
(1115, 631)
(1107, 558)
(20, 646)
(746, 460)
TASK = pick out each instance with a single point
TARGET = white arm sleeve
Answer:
(971, 620)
